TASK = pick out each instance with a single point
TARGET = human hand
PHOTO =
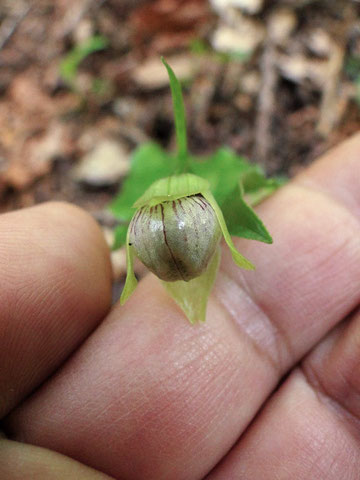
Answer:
(145, 395)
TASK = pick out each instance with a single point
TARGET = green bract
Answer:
(179, 242)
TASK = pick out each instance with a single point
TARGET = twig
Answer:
(266, 102)
(331, 101)
(9, 26)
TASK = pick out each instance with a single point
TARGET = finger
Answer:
(310, 429)
(19, 461)
(333, 370)
(337, 174)
(54, 289)
(169, 399)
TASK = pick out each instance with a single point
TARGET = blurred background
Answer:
(82, 85)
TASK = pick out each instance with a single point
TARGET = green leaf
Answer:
(180, 121)
(130, 282)
(149, 163)
(241, 219)
(192, 296)
(70, 64)
(256, 196)
(239, 259)
(223, 171)
(256, 187)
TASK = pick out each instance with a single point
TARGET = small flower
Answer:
(176, 239)
(175, 232)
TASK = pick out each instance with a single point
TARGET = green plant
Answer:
(69, 66)
(352, 69)
(158, 178)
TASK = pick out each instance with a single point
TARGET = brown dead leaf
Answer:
(33, 156)
(25, 91)
(164, 24)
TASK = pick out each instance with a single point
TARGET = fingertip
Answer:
(55, 287)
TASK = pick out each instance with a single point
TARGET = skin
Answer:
(267, 388)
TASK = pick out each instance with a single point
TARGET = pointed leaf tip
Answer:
(239, 259)
(180, 120)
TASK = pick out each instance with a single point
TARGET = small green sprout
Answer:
(184, 206)
(69, 66)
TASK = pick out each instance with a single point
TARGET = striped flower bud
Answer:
(176, 232)
(176, 239)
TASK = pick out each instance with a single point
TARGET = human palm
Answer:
(267, 388)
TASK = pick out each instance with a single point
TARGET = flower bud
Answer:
(176, 239)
